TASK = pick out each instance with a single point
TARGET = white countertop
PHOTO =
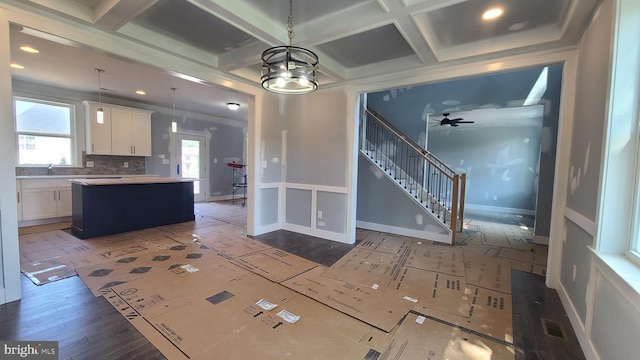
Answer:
(129, 180)
(110, 176)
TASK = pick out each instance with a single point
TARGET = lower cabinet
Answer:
(45, 198)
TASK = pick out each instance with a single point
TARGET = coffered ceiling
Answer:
(354, 39)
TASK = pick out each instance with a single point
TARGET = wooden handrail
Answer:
(414, 145)
(450, 187)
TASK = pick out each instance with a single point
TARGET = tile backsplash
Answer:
(102, 165)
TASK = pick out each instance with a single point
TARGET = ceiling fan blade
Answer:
(465, 122)
(456, 120)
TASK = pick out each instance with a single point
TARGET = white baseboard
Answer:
(333, 236)
(581, 333)
(500, 209)
(443, 238)
(259, 230)
(24, 223)
(542, 240)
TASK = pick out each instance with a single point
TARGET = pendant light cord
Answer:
(290, 32)
(100, 71)
(174, 103)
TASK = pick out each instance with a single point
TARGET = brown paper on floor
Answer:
(439, 258)
(50, 244)
(233, 245)
(136, 265)
(536, 254)
(433, 290)
(46, 271)
(489, 314)
(190, 226)
(165, 291)
(224, 311)
(375, 307)
(368, 268)
(308, 338)
(488, 272)
(529, 267)
(422, 338)
(168, 349)
(275, 264)
(54, 255)
(387, 243)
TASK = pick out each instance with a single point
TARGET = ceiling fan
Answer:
(451, 122)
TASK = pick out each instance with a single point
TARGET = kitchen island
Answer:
(110, 206)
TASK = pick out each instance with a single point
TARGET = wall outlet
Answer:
(495, 198)
(89, 163)
(126, 164)
(319, 214)
(574, 273)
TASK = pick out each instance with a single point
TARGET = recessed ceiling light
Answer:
(518, 26)
(29, 49)
(233, 106)
(16, 66)
(140, 92)
(492, 13)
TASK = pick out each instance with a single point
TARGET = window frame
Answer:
(73, 161)
(633, 247)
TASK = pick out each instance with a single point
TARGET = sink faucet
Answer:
(50, 170)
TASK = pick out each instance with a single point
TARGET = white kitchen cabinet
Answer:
(98, 137)
(45, 198)
(129, 131)
(141, 132)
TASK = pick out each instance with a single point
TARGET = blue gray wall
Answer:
(407, 108)
(226, 144)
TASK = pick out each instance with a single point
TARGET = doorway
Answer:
(189, 162)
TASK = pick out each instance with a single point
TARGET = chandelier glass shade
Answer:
(289, 69)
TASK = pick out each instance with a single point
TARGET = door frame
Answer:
(205, 177)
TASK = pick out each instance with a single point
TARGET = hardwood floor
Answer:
(88, 327)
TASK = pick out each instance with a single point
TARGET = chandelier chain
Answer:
(290, 32)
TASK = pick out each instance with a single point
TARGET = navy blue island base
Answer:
(105, 207)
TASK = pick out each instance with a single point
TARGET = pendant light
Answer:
(174, 123)
(99, 111)
(289, 69)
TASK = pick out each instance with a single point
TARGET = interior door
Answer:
(189, 161)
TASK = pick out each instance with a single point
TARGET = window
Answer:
(44, 132)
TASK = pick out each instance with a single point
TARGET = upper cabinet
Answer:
(123, 131)
(98, 132)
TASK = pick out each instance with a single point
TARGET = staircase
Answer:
(423, 177)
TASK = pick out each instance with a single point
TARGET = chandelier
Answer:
(289, 69)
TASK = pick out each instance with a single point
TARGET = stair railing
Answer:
(431, 182)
